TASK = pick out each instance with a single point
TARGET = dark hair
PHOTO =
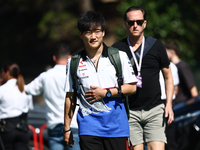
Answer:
(14, 70)
(90, 19)
(173, 45)
(132, 8)
(62, 51)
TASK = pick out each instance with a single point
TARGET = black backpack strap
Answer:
(73, 69)
(113, 54)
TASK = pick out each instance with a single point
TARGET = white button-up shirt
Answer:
(51, 84)
(13, 102)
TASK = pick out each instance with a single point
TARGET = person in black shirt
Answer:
(187, 87)
(148, 57)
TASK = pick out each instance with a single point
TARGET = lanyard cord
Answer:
(138, 66)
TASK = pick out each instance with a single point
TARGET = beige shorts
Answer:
(147, 126)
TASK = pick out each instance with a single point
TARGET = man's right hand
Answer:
(68, 138)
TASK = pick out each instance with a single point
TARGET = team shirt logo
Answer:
(82, 64)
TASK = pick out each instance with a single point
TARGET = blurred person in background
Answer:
(14, 106)
(51, 84)
(187, 87)
(175, 76)
(170, 129)
(186, 90)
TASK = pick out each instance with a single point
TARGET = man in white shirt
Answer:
(102, 119)
(51, 83)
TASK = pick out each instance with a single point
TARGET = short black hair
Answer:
(173, 45)
(61, 51)
(132, 8)
(90, 19)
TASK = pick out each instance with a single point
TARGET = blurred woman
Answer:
(14, 105)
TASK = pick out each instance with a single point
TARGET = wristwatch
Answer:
(108, 94)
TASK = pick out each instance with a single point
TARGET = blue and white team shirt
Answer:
(106, 117)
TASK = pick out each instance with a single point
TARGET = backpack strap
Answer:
(113, 54)
(73, 69)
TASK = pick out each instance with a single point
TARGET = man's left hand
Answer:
(95, 94)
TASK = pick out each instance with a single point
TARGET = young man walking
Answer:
(102, 119)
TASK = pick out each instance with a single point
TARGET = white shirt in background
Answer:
(13, 102)
(51, 84)
(175, 76)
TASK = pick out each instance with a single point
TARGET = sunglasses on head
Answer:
(131, 22)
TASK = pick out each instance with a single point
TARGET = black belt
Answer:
(22, 116)
(20, 122)
(12, 119)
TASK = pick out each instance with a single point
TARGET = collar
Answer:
(104, 53)
(12, 81)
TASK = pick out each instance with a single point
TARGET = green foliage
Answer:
(170, 20)
(58, 21)
(57, 25)
(47, 22)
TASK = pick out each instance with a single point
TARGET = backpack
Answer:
(113, 54)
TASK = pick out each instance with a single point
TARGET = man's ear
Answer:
(80, 34)
(54, 58)
(103, 33)
(125, 24)
(145, 23)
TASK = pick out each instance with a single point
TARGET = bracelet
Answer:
(66, 130)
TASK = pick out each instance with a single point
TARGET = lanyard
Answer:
(138, 66)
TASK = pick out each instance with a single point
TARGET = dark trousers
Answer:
(171, 134)
(102, 143)
(171, 138)
(13, 138)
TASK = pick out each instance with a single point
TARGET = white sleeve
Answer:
(174, 71)
(30, 102)
(174, 74)
(162, 85)
(127, 70)
(68, 80)
(36, 86)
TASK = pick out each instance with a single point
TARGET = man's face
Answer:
(135, 23)
(92, 38)
(170, 53)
